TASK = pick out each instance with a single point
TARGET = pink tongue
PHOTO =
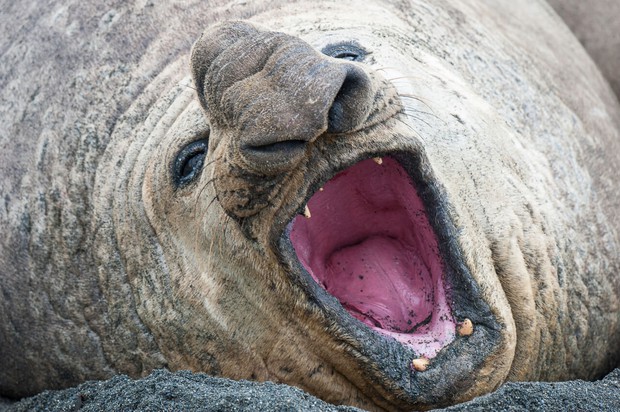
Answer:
(371, 277)
(369, 244)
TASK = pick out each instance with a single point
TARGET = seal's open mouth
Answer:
(369, 243)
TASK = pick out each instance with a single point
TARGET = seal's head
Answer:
(391, 204)
(347, 214)
(340, 217)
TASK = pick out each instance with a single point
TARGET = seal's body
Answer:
(391, 205)
(597, 26)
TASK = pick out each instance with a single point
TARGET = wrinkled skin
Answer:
(118, 256)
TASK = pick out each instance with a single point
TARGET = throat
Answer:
(382, 283)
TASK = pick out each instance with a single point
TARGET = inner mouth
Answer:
(369, 244)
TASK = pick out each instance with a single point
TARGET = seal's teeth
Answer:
(307, 212)
(465, 328)
(420, 364)
(378, 160)
(321, 189)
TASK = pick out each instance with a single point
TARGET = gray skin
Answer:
(597, 26)
(109, 266)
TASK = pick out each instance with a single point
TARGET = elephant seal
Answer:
(392, 205)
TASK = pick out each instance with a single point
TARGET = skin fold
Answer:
(120, 257)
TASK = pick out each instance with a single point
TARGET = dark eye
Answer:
(188, 164)
(346, 51)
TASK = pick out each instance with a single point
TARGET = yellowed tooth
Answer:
(465, 328)
(420, 364)
(378, 160)
(307, 212)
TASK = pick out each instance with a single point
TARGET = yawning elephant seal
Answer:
(394, 205)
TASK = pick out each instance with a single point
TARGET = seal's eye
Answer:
(346, 51)
(188, 164)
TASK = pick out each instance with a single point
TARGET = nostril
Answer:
(351, 104)
(275, 157)
(284, 148)
(335, 116)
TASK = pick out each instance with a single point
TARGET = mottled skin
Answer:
(107, 267)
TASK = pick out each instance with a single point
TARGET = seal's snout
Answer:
(339, 107)
(306, 101)
(275, 93)
(276, 106)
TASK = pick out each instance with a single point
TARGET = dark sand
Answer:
(185, 391)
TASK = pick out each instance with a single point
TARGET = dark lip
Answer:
(466, 302)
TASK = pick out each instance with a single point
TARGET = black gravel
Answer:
(180, 391)
(603, 395)
(186, 391)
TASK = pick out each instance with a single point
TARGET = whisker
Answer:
(405, 77)
(207, 183)
(190, 87)
(197, 228)
(212, 180)
(408, 109)
(386, 68)
(415, 132)
(417, 118)
(211, 162)
(411, 110)
(417, 99)
(393, 79)
(414, 97)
